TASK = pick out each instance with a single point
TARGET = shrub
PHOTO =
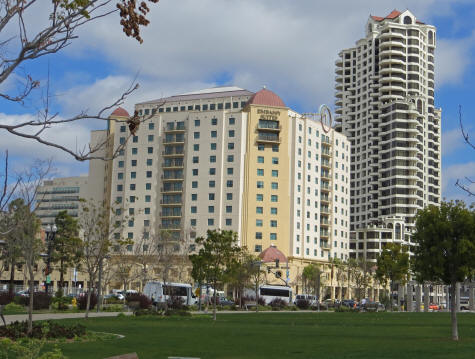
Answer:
(143, 300)
(176, 303)
(13, 307)
(82, 301)
(302, 303)
(6, 298)
(41, 300)
(278, 304)
(177, 312)
(142, 312)
(113, 308)
(42, 330)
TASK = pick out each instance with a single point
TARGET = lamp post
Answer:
(50, 233)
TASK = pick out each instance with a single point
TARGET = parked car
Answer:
(350, 303)
(434, 307)
(328, 303)
(225, 301)
(312, 299)
(118, 296)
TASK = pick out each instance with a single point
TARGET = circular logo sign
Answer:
(326, 118)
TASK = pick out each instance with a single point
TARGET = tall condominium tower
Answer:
(385, 105)
(231, 159)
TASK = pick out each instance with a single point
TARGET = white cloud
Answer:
(452, 141)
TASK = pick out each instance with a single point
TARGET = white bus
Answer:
(159, 292)
(271, 292)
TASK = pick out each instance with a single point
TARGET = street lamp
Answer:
(50, 233)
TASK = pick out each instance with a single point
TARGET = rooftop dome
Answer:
(271, 254)
(266, 97)
(120, 112)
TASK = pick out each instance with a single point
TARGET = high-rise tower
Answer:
(385, 105)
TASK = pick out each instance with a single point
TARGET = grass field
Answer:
(283, 335)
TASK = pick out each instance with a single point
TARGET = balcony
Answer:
(174, 128)
(268, 138)
(267, 125)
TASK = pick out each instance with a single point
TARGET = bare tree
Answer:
(145, 252)
(58, 30)
(465, 184)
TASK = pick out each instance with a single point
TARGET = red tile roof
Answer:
(271, 254)
(267, 98)
(120, 112)
(394, 14)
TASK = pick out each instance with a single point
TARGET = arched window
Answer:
(407, 20)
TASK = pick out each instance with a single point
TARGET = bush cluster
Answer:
(41, 300)
(82, 301)
(278, 304)
(42, 330)
(143, 300)
(302, 304)
(6, 298)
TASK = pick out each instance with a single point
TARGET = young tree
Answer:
(96, 241)
(66, 245)
(312, 273)
(392, 265)
(26, 234)
(53, 33)
(218, 251)
(445, 250)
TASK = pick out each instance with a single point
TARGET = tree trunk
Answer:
(88, 302)
(12, 277)
(30, 304)
(257, 296)
(453, 309)
(214, 301)
(61, 276)
(199, 299)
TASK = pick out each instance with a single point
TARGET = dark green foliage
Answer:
(143, 300)
(177, 312)
(82, 301)
(41, 330)
(142, 312)
(278, 304)
(41, 300)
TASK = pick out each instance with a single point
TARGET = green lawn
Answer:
(283, 335)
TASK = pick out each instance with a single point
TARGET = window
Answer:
(205, 107)
(259, 197)
(260, 159)
(120, 175)
(258, 235)
(130, 235)
(212, 171)
(229, 209)
(259, 210)
(214, 134)
(120, 188)
(229, 183)
(214, 121)
(212, 184)
(274, 198)
(133, 175)
(260, 147)
(274, 185)
(273, 210)
(134, 163)
(232, 120)
(148, 198)
(122, 128)
(148, 186)
(273, 223)
(213, 146)
(132, 199)
(273, 237)
(148, 174)
(275, 160)
(196, 159)
(151, 126)
(231, 146)
(231, 133)
(197, 123)
(230, 170)
(211, 196)
(258, 248)
(260, 184)
(193, 209)
(121, 164)
(260, 172)
(196, 135)
(118, 199)
(118, 212)
(147, 210)
(229, 196)
(131, 223)
(275, 173)
(196, 147)
(149, 149)
(229, 222)
(258, 222)
(194, 196)
(149, 161)
(132, 186)
(210, 209)
(275, 148)
(230, 158)
(212, 159)
(135, 139)
(122, 140)
(195, 171)
(150, 138)
(193, 222)
(210, 222)
(194, 184)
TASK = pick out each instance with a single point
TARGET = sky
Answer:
(288, 46)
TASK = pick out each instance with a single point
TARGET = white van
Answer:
(312, 299)
(271, 292)
(159, 292)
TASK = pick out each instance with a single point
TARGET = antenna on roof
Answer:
(264, 87)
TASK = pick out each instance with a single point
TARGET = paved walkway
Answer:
(46, 316)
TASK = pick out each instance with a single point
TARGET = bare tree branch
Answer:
(459, 183)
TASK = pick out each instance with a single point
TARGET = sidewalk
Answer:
(22, 317)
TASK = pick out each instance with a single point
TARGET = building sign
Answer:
(264, 114)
